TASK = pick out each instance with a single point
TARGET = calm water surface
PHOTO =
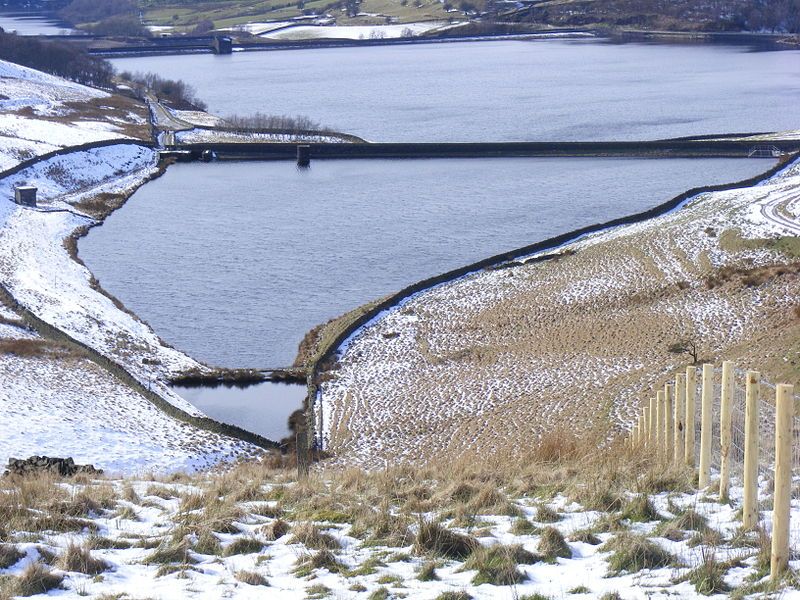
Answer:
(504, 90)
(263, 408)
(32, 24)
(235, 262)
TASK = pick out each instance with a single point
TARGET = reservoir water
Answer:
(504, 90)
(262, 408)
(233, 262)
(32, 24)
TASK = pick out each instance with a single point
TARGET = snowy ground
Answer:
(353, 32)
(246, 537)
(59, 404)
(199, 136)
(52, 401)
(493, 360)
(69, 406)
(40, 113)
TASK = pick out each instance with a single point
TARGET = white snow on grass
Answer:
(198, 117)
(495, 358)
(151, 515)
(353, 32)
(262, 27)
(199, 136)
(41, 275)
(40, 113)
(72, 407)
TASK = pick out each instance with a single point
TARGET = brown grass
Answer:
(100, 205)
(243, 545)
(311, 536)
(36, 579)
(275, 530)
(434, 539)
(552, 544)
(9, 555)
(79, 559)
(38, 504)
(36, 348)
(251, 578)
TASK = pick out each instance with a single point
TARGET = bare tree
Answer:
(685, 346)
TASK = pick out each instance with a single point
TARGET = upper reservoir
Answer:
(504, 90)
(24, 23)
(233, 262)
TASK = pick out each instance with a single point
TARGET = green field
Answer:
(236, 12)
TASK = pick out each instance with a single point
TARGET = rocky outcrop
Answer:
(65, 467)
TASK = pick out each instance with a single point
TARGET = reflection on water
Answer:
(504, 90)
(263, 408)
(32, 24)
(235, 262)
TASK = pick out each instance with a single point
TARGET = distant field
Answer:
(233, 13)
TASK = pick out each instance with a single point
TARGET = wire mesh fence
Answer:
(766, 426)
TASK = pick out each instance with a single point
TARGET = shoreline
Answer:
(329, 343)
(349, 324)
(118, 370)
(328, 353)
(171, 47)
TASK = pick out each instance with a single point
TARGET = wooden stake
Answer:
(752, 398)
(705, 425)
(653, 435)
(669, 420)
(725, 430)
(640, 429)
(691, 392)
(679, 445)
(784, 413)
(660, 423)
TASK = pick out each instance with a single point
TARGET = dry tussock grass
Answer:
(38, 503)
(275, 530)
(35, 579)
(35, 348)
(79, 558)
(312, 536)
(9, 555)
(433, 539)
(251, 578)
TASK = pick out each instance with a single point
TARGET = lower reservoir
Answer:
(233, 262)
(263, 408)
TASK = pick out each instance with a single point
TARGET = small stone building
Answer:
(222, 44)
(25, 195)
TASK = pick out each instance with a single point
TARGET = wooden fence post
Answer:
(784, 413)
(679, 445)
(641, 430)
(707, 396)
(660, 423)
(725, 430)
(669, 420)
(750, 507)
(691, 392)
(653, 433)
(646, 431)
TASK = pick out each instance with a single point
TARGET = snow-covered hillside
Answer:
(495, 359)
(40, 113)
(51, 400)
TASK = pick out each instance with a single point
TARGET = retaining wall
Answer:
(326, 354)
(678, 148)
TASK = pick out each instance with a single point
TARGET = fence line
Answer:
(747, 429)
